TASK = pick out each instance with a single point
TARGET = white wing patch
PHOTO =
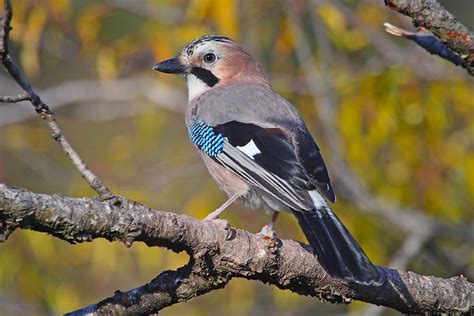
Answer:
(318, 200)
(250, 149)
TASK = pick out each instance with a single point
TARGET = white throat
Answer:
(196, 86)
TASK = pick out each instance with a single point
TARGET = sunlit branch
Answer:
(429, 42)
(216, 256)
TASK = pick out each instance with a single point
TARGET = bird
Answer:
(259, 151)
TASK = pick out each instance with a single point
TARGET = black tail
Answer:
(336, 249)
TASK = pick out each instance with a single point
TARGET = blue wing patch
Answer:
(205, 138)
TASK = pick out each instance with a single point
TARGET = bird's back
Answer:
(248, 103)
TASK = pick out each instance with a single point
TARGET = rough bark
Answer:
(216, 255)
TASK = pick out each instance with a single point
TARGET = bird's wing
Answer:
(266, 158)
(294, 158)
(245, 113)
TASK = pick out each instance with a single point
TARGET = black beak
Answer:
(170, 66)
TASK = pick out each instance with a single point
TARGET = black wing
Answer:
(301, 166)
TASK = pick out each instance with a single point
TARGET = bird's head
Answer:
(212, 61)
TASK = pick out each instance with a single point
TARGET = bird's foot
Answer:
(267, 232)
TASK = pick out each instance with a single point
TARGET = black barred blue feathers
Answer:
(203, 136)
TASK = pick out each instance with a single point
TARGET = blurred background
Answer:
(394, 124)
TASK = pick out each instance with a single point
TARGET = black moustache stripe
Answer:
(205, 75)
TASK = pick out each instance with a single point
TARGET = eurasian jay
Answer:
(259, 151)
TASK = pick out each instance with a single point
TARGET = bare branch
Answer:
(168, 288)
(451, 35)
(43, 110)
(429, 42)
(217, 256)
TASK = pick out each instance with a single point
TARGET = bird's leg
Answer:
(215, 215)
(269, 229)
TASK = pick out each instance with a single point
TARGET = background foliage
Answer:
(406, 121)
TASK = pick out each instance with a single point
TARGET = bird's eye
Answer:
(209, 58)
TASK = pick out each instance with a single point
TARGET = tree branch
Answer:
(217, 255)
(452, 40)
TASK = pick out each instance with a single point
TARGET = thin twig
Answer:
(43, 110)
